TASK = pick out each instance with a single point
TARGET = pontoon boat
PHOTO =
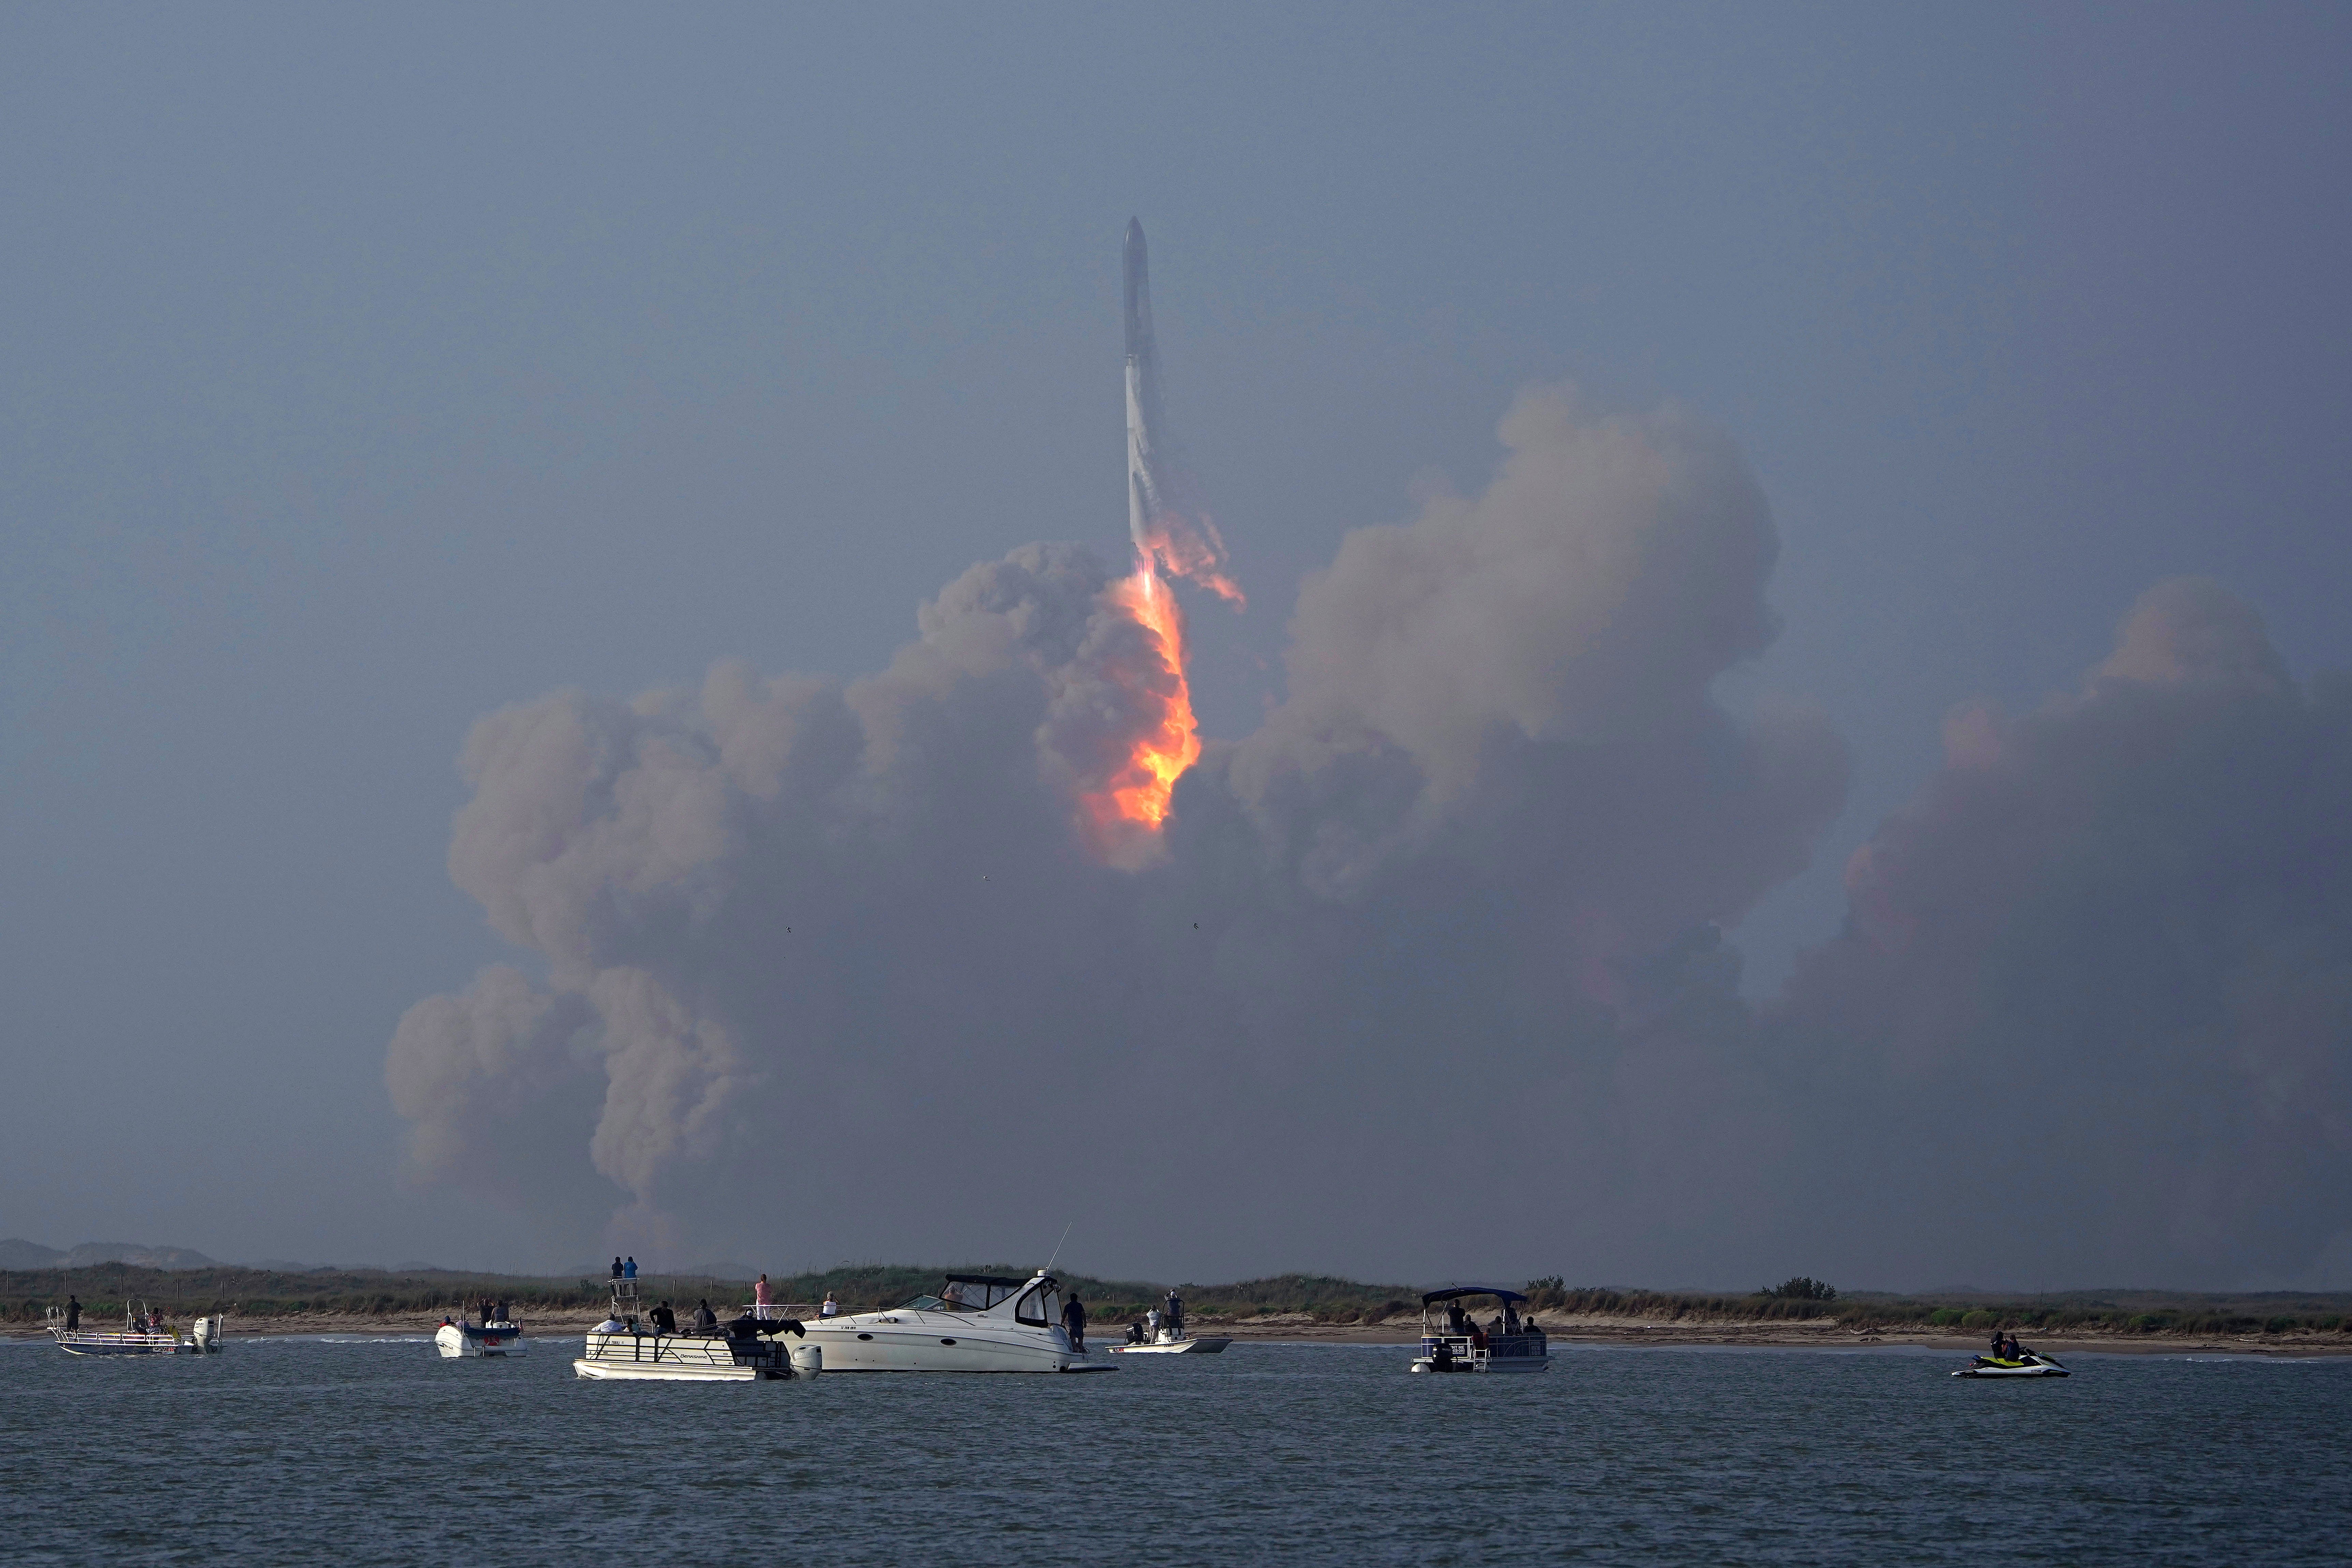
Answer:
(1451, 1339)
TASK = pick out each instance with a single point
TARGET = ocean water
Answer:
(366, 1451)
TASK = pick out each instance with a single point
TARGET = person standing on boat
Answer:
(1175, 1316)
(763, 1300)
(1151, 1324)
(1074, 1322)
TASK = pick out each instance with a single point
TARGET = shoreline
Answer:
(1300, 1328)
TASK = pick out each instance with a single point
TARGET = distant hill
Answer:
(19, 1254)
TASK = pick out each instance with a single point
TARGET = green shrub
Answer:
(1977, 1318)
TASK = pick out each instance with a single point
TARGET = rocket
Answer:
(1145, 483)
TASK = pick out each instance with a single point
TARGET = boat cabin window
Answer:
(961, 1296)
(1039, 1309)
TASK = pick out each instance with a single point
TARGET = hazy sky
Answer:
(361, 377)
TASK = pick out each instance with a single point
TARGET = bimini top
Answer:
(1004, 1282)
(1451, 1291)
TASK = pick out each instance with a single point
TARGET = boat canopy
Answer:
(1431, 1297)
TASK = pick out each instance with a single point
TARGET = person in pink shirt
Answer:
(762, 1300)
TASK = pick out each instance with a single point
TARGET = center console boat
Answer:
(143, 1333)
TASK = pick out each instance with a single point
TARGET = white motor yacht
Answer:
(627, 1346)
(978, 1322)
(1451, 1341)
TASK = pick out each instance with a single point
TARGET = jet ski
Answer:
(2026, 1363)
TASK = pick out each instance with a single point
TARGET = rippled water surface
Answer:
(378, 1451)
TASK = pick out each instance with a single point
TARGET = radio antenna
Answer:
(1057, 1250)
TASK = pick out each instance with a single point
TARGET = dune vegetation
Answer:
(263, 1294)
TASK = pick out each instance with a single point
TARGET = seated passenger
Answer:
(705, 1320)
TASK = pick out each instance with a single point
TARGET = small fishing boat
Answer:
(1174, 1342)
(627, 1347)
(978, 1322)
(2025, 1364)
(500, 1337)
(143, 1333)
(1452, 1339)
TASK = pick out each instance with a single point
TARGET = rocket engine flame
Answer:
(1124, 817)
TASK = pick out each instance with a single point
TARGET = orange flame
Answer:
(1126, 814)
(1193, 550)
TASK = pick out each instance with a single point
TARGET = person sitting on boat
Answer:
(1074, 1322)
(1135, 1333)
(611, 1325)
(1510, 1319)
(705, 1320)
(952, 1296)
(828, 1308)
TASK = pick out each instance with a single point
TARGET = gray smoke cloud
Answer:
(820, 930)
(2091, 1016)
(1428, 978)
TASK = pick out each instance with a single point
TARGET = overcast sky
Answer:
(361, 376)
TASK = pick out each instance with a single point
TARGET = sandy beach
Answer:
(1298, 1327)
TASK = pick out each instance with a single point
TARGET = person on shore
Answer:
(1074, 1322)
(73, 1312)
(828, 1308)
(629, 1269)
(763, 1300)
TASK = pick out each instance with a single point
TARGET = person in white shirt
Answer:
(830, 1309)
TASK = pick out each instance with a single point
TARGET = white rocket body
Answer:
(1146, 487)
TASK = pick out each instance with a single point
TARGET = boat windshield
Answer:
(937, 1304)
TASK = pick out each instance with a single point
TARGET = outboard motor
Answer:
(808, 1360)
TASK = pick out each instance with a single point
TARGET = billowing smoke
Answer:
(2091, 1016)
(822, 932)
(1424, 975)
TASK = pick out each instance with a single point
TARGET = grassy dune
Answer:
(255, 1294)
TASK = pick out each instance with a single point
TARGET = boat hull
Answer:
(907, 1341)
(1209, 1344)
(693, 1358)
(93, 1341)
(466, 1341)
